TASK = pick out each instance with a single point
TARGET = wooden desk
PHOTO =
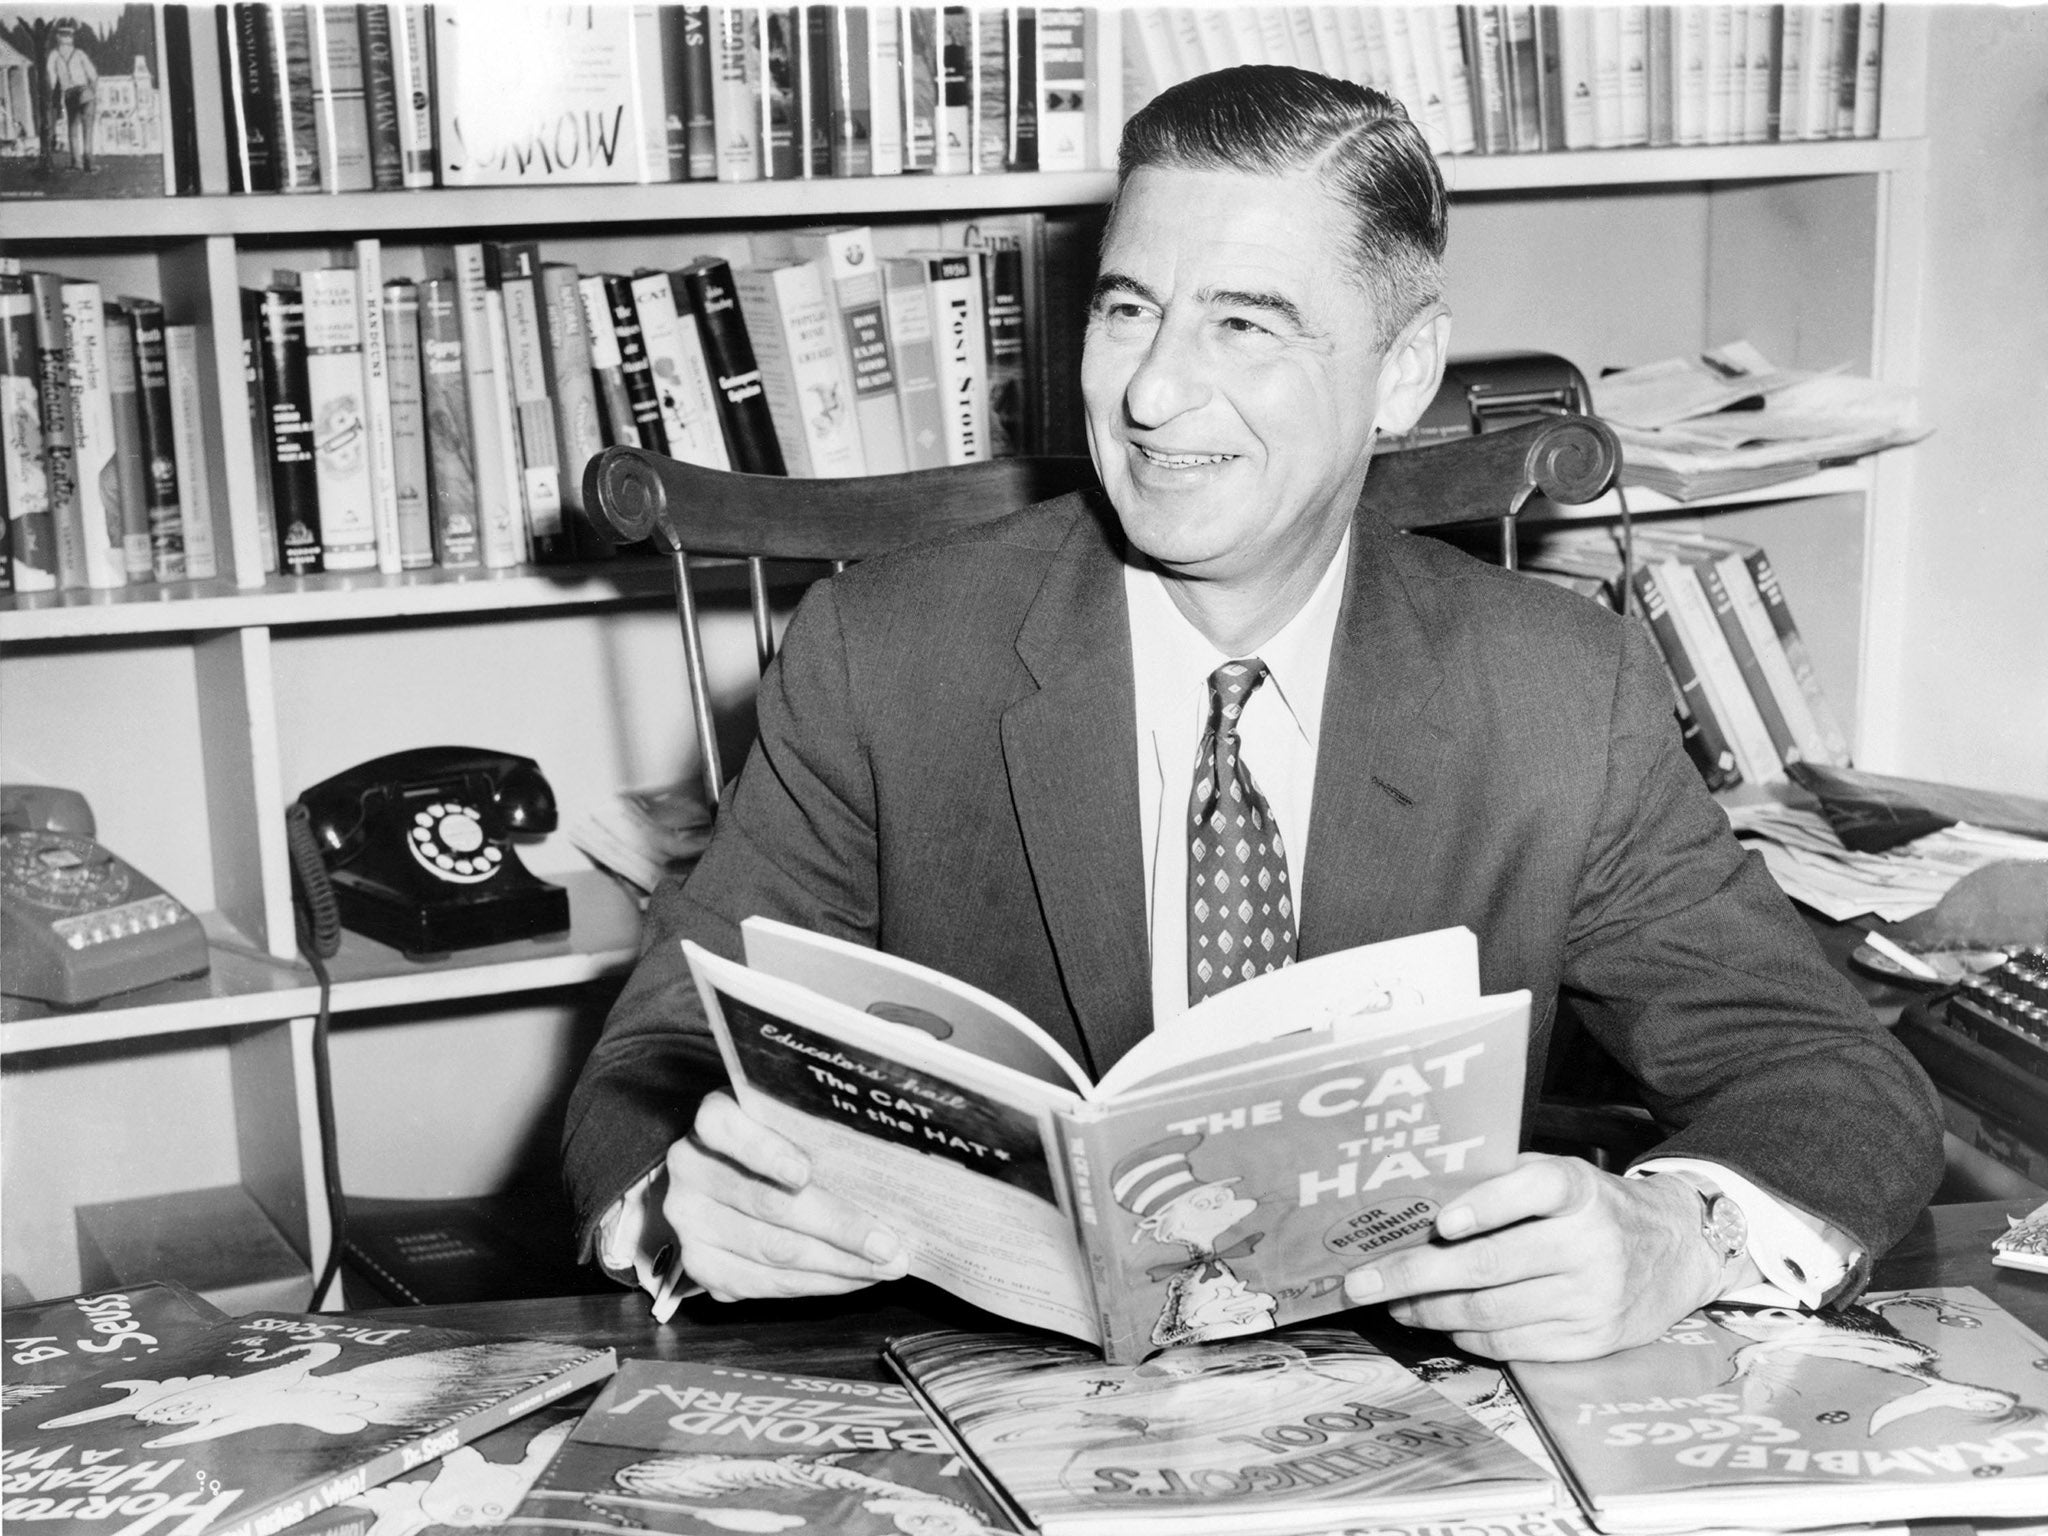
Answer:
(843, 1336)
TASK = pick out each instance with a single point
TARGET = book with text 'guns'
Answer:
(1312, 1430)
(1927, 1403)
(684, 1447)
(266, 1420)
(1220, 1179)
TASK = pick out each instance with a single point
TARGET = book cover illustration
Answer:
(475, 1487)
(685, 1447)
(1930, 1402)
(84, 113)
(51, 1344)
(2024, 1243)
(1298, 1431)
(267, 1419)
(1222, 1178)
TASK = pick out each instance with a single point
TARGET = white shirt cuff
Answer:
(1802, 1257)
(637, 1247)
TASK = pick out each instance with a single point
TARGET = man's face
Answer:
(1231, 372)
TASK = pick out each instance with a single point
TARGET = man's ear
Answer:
(1411, 371)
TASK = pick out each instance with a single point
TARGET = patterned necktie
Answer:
(1240, 910)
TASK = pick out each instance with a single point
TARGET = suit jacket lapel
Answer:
(1071, 750)
(1381, 749)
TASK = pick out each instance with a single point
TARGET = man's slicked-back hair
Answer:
(1273, 119)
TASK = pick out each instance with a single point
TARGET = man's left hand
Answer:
(1553, 1260)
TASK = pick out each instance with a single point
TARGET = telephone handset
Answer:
(418, 849)
(78, 923)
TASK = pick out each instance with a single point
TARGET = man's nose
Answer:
(1171, 379)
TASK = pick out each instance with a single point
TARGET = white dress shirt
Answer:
(1800, 1257)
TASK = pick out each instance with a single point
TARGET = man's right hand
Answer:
(750, 1222)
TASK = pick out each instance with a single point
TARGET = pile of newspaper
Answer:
(1810, 864)
(1729, 421)
(645, 833)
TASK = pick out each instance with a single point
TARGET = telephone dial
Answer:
(78, 923)
(416, 849)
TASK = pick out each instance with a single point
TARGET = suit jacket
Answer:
(946, 767)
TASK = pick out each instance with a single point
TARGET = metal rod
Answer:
(700, 682)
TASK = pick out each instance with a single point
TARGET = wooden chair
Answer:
(686, 511)
(689, 511)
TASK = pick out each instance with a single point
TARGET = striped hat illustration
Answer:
(1156, 1174)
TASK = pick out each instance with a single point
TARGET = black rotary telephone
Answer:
(416, 850)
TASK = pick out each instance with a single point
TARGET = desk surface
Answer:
(843, 1336)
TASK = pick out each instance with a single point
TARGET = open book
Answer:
(1219, 1180)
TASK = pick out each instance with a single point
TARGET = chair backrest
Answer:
(688, 510)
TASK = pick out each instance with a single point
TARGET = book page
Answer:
(1370, 985)
(955, 1155)
(905, 992)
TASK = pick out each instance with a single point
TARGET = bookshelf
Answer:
(190, 715)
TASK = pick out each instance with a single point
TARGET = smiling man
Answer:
(997, 755)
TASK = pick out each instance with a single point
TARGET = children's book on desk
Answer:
(1220, 1179)
(50, 1344)
(686, 1447)
(1310, 1430)
(1912, 1404)
(269, 1419)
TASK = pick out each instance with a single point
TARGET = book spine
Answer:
(1720, 72)
(1715, 756)
(1848, 55)
(989, 90)
(497, 494)
(381, 460)
(1550, 68)
(885, 89)
(101, 503)
(1691, 65)
(1721, 603)
(953, 125)
(651, 88)
(334, 378)
(1864, 109)
(296, 109)
(579, 426)
(412, 496)
(412, 66)
(781, 52)
(816, 68)
(856, 279)
(1606, 31)
(682, 384)
(249, 96)
(380, 97)
(1635, 74)
(540, 452)
(127, 497)
(1788, 90)
(1024, 101)
(1483, 24)
(188, 434)
(1525, 80)
(1066, 103)
(953, 285)
(606, 371)
(853, 108)
(736, 91)
(505, 536)
(1662, 80)
(751, 437)
(1718, 673)
(159, 441)
(1580, 69)
(675, 112)
(634, 365)
(295, 487)
(1002, 315)
(1834, 740)
(1738, 70)
(1760, 75)
(1419, 23)
(917, 377)
(1454, 77)
(60, 441)
(923, 71)
(695, 67)
(761, 305)
(32, 531)
(1817, 80)
(259, 422)
(451, 447)
(1771, 661)
(181, 98)
(341, 97)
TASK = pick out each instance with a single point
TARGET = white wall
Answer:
(1974, 705)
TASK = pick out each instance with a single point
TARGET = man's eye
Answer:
(1243, 325)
